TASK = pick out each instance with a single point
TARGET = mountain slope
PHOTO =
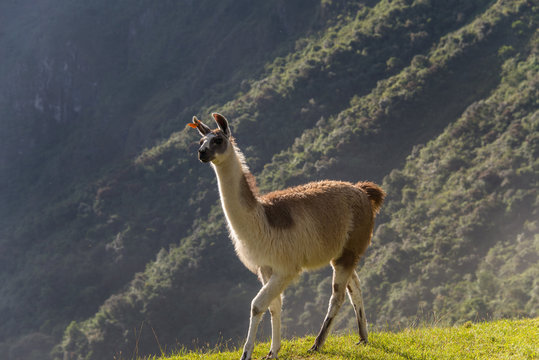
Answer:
(147, 295)
(79, 92)
(347, 92)
(463, 228)
(412, 252)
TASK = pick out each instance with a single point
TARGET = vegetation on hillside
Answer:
(463, 227)
(73, 202)
(419, 245)
(437, 100)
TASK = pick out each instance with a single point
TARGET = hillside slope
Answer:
(377, 116)
(82, 89)
(437, 100)
(460, 219)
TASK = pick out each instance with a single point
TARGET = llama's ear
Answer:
(222, 123)
(200, 126)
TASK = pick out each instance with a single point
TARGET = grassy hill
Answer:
(503, 339)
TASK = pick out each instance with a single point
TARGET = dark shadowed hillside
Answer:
(111, 232)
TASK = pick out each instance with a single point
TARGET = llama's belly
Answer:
(320, 241)
(320, 254)
(288, 252)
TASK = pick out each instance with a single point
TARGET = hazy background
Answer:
(111, 233)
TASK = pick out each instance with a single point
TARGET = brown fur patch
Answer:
(347, 259)
(248, 190)
(278, 214)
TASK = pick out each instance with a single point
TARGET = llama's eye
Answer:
(218, 141)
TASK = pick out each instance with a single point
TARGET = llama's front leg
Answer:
(275, 311)
(270, 291)
(340, 281)
(354, 293)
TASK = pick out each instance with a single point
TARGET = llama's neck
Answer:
(237, 197)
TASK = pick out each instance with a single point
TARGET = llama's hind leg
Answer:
(354, 294)
(341, 275)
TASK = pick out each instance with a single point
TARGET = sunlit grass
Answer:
(503, 339)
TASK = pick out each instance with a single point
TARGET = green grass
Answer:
(502, 339)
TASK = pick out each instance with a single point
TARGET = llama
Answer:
(279, 234)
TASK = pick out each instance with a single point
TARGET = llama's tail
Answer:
(374, 192)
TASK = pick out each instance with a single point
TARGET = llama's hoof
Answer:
(269, 356)
(362, 342)
(244, 356)
(314, 348)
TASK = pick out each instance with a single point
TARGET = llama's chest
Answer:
(248, 248)
(245, 229)
(251, 240)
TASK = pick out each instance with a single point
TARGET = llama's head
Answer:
(215, 144)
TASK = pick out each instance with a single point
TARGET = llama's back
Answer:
(320, 197)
